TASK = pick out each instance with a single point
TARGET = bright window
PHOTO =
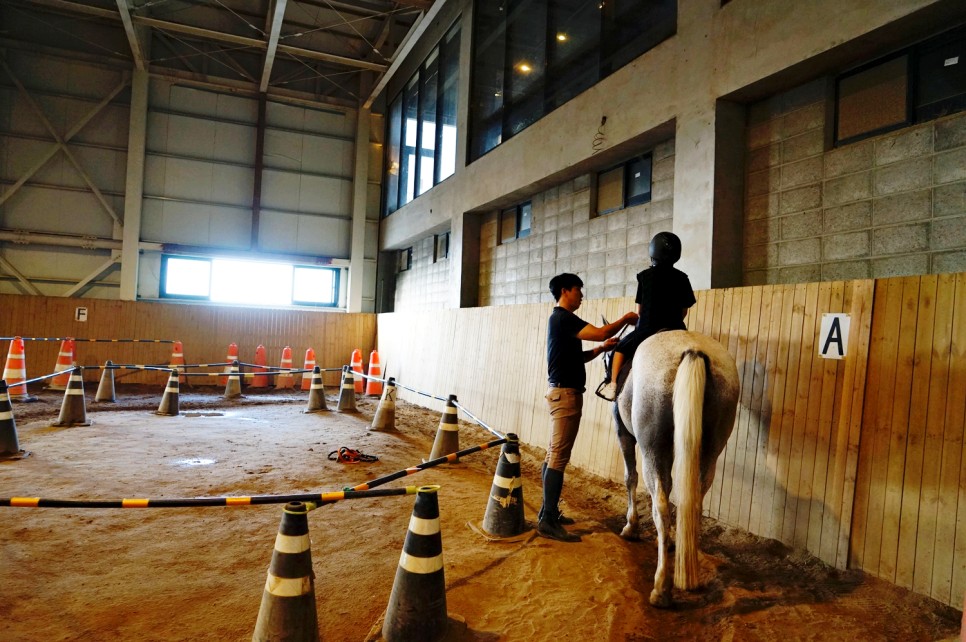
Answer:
(248, 282)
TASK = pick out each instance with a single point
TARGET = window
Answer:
(440, 247)
(531, 56)
(421, 127)
(515, 222)
(625, 185)
(248, 282)
(404, 260)
(917, 84)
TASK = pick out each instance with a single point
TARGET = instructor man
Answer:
(567, 377)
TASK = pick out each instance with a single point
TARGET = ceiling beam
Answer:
(278, 16)
(137, 51)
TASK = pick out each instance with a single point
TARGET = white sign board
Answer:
(833, 338)
(80, 314)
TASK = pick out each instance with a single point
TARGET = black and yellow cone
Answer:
(417, 604)
(233, 385)
(105, 389)
(169, 401)
(316, 392)
(73, 411)
(504, 511)
(385, 417)
(447, 435)
(347, 393)
(9, 444)
(288, 601)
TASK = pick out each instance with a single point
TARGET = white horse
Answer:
(680, 400)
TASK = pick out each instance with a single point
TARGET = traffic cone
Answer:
(169, 401)
(15, 372)
(317, 393)
(287, 380)
(309, 365)
(261, 360)
(177, 360)
(230, 359)
(288, 610)
(347, 393)
(105, 389)
(65, 361)
(9, 444)
(417, 604)
(385, 417)
(374, 387)
(73, 411)
(447, 435)
(504, 510)
(357, 368)
(233, 387)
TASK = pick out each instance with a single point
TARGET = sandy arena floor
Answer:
(198, 574)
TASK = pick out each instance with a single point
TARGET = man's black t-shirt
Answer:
(565, 354)
(662, 292)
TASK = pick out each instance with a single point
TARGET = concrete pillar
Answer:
(464, 261)
(134, 186)
(360, 190)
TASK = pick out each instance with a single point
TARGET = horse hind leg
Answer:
(661, 514)
(628, 446)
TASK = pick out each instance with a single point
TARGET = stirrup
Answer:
(604, 384)
(349, 456)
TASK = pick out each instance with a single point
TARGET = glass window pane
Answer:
(486, 108)
(631, 27)
(638, 181)
(392, 158)
(526, 61)
(508, 225)
(574, 49)
(251, 282)
(874, 99)
(187, 277)
(526, 215)
(410, 115)
(610, 190)
(314, 285)
(449, 77)
(427, 121)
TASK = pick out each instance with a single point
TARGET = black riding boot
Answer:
(563, 519)
(549, 525)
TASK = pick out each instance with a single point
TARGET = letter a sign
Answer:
(833, 336)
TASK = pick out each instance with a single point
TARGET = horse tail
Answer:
(688, 402)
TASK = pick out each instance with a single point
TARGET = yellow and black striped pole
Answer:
(447, 436)
(347, 393)
(504, 510)
(73, 410)
(385, 417)
(316, 392)
(9, 444)
(417, 604)
(288, 610)
(105, 388)
(169, 401)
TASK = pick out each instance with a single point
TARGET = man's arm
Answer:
(593, 333)
(596, 351)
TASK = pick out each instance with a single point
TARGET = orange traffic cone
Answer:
(374, 387)
(177, 360)
(65, 360)
(309, 365)
(447, 435)
(357, 367)
(231, 358)
(15, 372)
(261, 360)
(288, 609)
(285, 380)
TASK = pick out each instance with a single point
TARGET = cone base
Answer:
(315, 412)
(456, 630)
(23, 454)
(528, 534)
(71, 424)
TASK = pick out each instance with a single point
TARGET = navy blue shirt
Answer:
(662, 292)
(565, 352)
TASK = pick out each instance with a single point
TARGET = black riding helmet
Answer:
(665, 249)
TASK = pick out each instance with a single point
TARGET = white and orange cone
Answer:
(15, 372)
(373, 387)
(357, 369)
(65, 360)
(261, 360)
(286, 380)
(177, 360)
(231, 358)
(309, 365)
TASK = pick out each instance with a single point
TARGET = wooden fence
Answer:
(858, 461)
(205, 332)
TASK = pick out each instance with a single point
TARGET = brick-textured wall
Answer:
(606, 251)
(891, 205)
(424, 286)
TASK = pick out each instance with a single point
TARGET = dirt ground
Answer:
(198, 574)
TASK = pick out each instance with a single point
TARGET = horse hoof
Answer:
(660, 600)
(629, 532)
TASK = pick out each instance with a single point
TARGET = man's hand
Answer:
(610, 344)
(630, 318)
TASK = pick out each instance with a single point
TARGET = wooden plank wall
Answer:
(205, 332)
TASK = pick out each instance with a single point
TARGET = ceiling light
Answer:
(562, 37)
(524, 67)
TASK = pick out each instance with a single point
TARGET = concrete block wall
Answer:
(890, 205)
(424, 285)
(605, 251)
